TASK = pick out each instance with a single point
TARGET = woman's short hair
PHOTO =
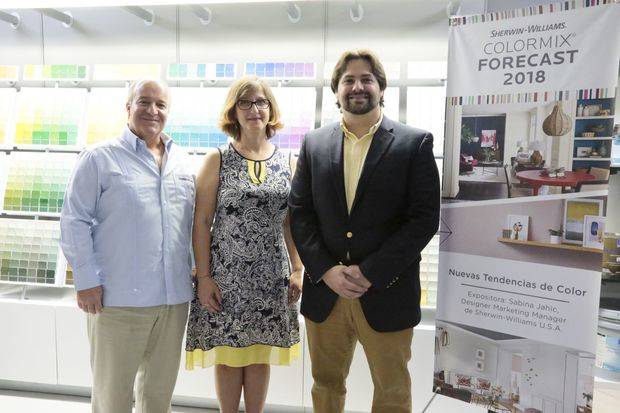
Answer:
(228, 120)
(375, 67)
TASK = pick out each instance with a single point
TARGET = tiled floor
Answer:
(606, 400)
(606, 397)
(27, 402)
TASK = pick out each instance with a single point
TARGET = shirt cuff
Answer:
(86, 277)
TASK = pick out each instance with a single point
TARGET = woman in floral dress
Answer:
(248, 272)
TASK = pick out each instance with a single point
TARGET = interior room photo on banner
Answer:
(530, 114)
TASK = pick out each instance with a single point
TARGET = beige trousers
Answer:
(331, 345)
(130, 342)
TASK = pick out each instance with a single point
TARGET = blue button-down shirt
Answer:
(127, 226)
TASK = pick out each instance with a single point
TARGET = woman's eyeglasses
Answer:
(245, 104)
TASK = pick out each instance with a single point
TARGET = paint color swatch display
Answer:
(36, 182)
(392, 70)
(330, 112)
(194, 115)
(9, 72)
(126, 71)
(7, 100)
(201, 71)
(4, 168)
(281, 70)
(297, 105)
(49, 116)
(29, 250)
(55, 72)
(106, 114)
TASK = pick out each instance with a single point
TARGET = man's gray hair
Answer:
(136, 84)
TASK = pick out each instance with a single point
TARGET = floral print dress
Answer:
(250, 264)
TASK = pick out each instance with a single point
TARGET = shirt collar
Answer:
(132, 140)
(371, 131)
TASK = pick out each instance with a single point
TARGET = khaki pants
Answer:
(331, 345)
(130, 341)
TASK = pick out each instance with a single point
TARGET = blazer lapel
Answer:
(380, 143)
(336, 161)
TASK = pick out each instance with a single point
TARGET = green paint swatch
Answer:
(54, 72)
(36, 182)
(49, 116)
(28, 250)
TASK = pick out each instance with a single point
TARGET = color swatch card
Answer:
(193, 118)
(9, 73)
(56, 72)
(7, 102)
(106, 114)
(29, 250)
(392, 70)
(330, 112)
(49, 116)
(126, 71)
(201, 71)
(36, 182)
(4, 168)
(281, 70)
(297, 105)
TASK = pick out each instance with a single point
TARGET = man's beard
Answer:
(362, 109)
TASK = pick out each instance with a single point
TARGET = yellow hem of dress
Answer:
(241, 357)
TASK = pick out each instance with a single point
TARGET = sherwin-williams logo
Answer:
(532, 28)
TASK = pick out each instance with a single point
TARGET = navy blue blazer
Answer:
(394, 215)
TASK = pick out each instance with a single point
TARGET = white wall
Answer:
(550, 366)
(504, 369)
(517, 129)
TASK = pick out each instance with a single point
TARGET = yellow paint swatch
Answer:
(8, 72)
(49, 116)
(56, 72)
(106, 114)
(7, 101)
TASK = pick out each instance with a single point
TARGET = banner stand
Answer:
(519, 269)
(430, 401)
(433, 399)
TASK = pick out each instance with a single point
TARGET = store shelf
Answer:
(35, 215)
(599, 125)
(549, 245)
(31, 284)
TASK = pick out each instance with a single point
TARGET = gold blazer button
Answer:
(349, 234)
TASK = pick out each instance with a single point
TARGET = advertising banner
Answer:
(530, 117)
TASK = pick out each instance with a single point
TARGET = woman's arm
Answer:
(296, 264)
(207, 184)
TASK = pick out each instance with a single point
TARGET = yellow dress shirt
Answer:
(355, 151)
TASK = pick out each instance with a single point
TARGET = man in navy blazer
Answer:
(364, 203)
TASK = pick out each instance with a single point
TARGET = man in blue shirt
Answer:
(126, 231)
